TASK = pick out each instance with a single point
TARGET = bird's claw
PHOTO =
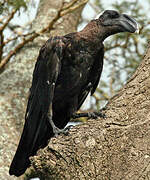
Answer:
(89, 115)
(64, 131)
(95, 115)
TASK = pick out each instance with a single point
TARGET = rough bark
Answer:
(16, 79)
(117, 147)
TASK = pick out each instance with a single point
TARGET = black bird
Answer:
(67, 69)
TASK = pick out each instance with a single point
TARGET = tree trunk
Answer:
(117, 147)
(16, 79)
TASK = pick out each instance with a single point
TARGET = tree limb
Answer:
(116, 147)
(8, 20)
(60, 13)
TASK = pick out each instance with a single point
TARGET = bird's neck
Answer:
(93, 33)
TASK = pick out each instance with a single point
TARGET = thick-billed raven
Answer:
(68, 68)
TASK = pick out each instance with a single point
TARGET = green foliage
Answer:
(16, 4)
(5, 6)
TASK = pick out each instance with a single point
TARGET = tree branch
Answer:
(61, 12)
(116, 147)
(8, 20)
(2, 44)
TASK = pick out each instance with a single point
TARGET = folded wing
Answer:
(37, 129)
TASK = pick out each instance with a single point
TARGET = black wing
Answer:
(37, 129)
(97, 70)
(94, 77)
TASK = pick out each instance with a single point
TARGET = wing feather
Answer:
(37, 130)
(94, 77)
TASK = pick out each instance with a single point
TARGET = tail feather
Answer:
(35, 135)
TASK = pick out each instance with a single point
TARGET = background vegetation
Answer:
(123, 52)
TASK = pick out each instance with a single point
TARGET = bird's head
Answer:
(113, 22)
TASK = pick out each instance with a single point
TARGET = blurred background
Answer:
(123, 52)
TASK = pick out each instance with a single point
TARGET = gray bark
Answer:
(117, 147)
(16, 80)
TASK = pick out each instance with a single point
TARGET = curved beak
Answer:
(128, 24)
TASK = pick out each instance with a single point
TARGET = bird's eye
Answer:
(111, 14)
(114, 14)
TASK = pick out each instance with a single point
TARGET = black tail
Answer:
(35, 135)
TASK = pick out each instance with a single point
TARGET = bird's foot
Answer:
(57, 131)
(64, 131)
(89, 115)
(95, 115)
